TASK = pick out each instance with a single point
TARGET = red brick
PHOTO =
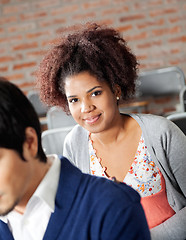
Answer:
(177, 61)
(175, 51)
(52, 22)
(84, 15)
(25, 46)
(36, 53)
(22, 27)
(140, 36)
(142, 57)
(147, 4)
(2, 50)
(161, 12)
(108, 22)
(11, 39)
(50, 42)
(6, 20)
(150, 44)
(24, 65)
(131, 17)
(4, 69)
(6, 59)
(124, 28)
(66, 30)
(112, 11)
(26, 85)
(158, 22)
(150, 65)
(12, 9)
(64, 10)
(174, 19)
(46, 4)
(33, 16)
(178, 39)
(15, 76)
(96, 4)
(1, 30)
(37, 34)
(4, 1)
(163, 31)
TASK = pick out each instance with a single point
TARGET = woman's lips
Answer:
(92, 120)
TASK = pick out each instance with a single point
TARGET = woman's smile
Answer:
(91, 102)
(92, 120)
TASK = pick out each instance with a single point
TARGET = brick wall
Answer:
(154, 29)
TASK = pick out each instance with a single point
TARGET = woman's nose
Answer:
(86, 106)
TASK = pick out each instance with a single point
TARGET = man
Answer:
(44, 197)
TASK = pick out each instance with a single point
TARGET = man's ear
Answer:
(30, 145)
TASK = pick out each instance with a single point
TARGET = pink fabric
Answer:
(156, 207)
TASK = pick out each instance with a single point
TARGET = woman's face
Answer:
(91, 102)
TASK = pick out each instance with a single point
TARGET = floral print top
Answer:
(143, 175)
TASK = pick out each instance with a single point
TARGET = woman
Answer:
(88, 73)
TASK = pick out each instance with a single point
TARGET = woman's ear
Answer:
(30, 145)
(117, 91)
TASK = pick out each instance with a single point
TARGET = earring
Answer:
(117, 98)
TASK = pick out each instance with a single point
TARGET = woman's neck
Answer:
(113, 134)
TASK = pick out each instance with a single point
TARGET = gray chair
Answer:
(41, 108)
(53, 140)
(183, 99)
(160, 82)
(179, 119)
(57, 118)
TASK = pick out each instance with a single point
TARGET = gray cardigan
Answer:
(167, 147)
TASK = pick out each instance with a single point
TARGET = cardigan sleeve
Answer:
(174, 145)
(172, 229)
(76, 148)
(167, 146)
(67, 148)
(124, 218)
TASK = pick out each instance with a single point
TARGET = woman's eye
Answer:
(96, 93)
(73, 100)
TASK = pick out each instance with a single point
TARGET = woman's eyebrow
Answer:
(90, 90)
(72, 96)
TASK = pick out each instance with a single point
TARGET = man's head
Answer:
(20, 148)
(16, 114)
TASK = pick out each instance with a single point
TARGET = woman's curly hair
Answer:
(97, 49)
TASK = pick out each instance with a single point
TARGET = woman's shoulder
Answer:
(155, 125)
(77, 133)
(151, 120)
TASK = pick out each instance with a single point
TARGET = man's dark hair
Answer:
(16, 114)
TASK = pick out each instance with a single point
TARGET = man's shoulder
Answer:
(111, 192)
(92, 186)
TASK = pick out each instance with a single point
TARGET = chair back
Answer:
(41, 108)
(160, 82)
(57, 118)
(53, 140)
(179, 119)
(183, 99)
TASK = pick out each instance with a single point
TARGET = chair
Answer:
(57, 118)
(53, 140)
(183, 99)
(41, 108)
(179, 119)
(160, 82)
